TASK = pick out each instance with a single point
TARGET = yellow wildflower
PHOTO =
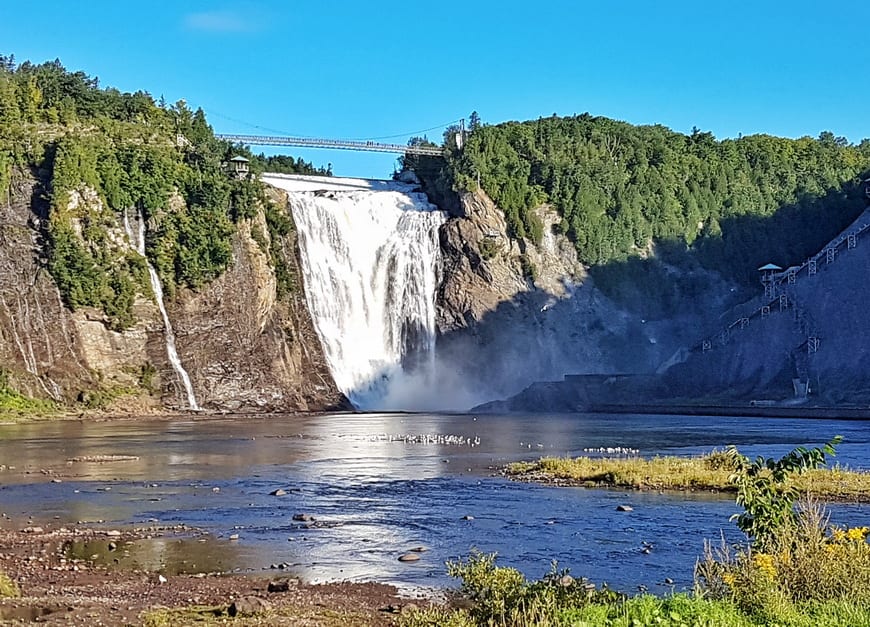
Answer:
(765, 564)
(857, 533)
(837, 534)
(729, 579)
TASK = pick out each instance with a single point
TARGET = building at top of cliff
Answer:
(238, 167)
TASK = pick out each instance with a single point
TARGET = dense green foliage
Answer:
(280, 224)
(738, 202)
(766, 491)
(140, 158)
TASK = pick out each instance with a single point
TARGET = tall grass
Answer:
(806, 564)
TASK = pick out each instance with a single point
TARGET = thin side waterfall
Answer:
(138, 240)
(371, 261)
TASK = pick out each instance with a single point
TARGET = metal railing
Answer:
(780, 299)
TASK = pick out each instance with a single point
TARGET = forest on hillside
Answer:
(735, 203)
(137, 155)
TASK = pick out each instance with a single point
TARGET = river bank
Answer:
(57, 588)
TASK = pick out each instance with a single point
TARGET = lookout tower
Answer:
(768, 274)
(238, 167)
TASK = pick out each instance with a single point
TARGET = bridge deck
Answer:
(308, 142)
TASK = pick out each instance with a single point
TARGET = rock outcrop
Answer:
(512, 312)
(244, 348)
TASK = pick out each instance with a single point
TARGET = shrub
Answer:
(766, 491)
(502, 596)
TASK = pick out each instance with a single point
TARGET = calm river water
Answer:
(375, 492)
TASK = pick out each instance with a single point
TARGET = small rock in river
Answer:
(624, 508)
(668, 581)
(278, 492)
(303, 517)
(409, 557)
(418, 549)
(234, 536)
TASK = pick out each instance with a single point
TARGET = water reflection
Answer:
(169, 556)
(380, 484)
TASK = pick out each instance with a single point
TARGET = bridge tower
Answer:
(459, 138)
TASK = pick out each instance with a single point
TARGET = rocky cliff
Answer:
(512, 312)
(814, 332)
(243, 346)
(806, 343)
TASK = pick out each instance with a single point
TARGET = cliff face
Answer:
(243, 347)
(512, 313)
(762, 359)
(812, 333)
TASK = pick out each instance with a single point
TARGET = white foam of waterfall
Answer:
(371, 263)
(138, 241)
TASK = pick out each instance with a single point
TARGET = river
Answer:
(378, 485)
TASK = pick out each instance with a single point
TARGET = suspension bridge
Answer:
(340, 144)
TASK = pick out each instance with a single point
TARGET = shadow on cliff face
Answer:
(640, 314)
(539, 337)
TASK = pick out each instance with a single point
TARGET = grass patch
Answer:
(8, 588)
(708, 472)
(15, 406)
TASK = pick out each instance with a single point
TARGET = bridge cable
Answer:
(414, 133)
(285, 133)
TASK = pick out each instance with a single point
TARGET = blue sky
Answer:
(365, 70)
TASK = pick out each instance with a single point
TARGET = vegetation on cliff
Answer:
(738, 203)
(14, 405)
(138, 156)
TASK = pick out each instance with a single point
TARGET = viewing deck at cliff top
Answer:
(340, 144)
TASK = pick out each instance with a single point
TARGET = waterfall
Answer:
(138, 241)
(371, 262)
